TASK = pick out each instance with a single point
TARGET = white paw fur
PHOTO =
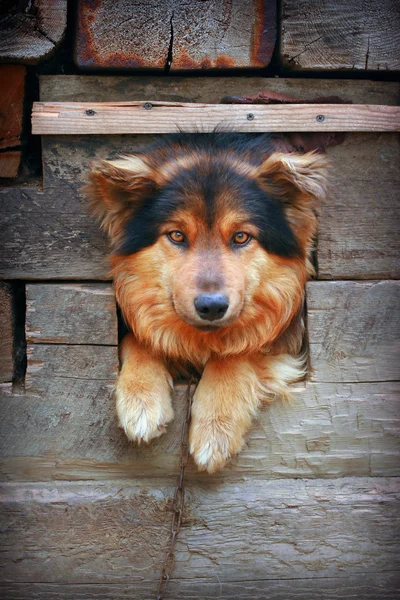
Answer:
(143, 413)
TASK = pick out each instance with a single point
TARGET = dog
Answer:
(212, 237)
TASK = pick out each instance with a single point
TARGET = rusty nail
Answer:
(320, 118)
(148, 105)
(90, 112)
(250, 117)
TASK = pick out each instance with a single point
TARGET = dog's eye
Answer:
(176, 237)
(241, 238)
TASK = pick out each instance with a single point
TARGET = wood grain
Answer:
(49, 364)
(9, 164)
(117, 88)
(358, 235)
(71, 314)
(12, 84)
(32, 34)
(83, 118)
(104, 533)
(50, 235)
(175, 35)
(340, 34)
(64, 427)
(354, 330)
(7, 334)
(364, 586)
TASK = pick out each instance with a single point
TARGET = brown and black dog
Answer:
(211, 238)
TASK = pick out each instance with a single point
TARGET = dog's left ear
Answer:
(116, 188)
(299, 178)
(300, 183)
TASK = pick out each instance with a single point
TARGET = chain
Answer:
(179, 496)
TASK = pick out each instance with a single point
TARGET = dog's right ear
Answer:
(116, 188)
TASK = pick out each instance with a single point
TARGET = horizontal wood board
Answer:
(71, 314)
(336, 35)
(65, 427)
(354, 330)
(81, 88)
(358, 235)
(63, 242)
(149, 116)
(365, 586)
(107, 533)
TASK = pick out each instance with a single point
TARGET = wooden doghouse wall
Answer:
(308, 509)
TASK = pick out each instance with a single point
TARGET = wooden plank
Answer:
(358, 234)
(105, 533)
(49, 234)
(71, 314)
(12, 84)
(9, 164)
(66, 118)
(365, 586)
(339, 34)
(29, 34)
(49, 363)
(175, 35)
(65, 427)
(81, 88)
(354, 330)
(7, 334)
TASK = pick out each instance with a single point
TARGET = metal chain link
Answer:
(179, 496)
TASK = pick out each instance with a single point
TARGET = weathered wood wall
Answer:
(309, 508)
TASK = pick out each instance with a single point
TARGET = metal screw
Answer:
(250, 117)
(320, 118)
(148, 105)
(90, 112)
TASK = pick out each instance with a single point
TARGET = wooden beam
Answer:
(223, 34)
(363, 585)
(71, 313)
(293, 531)
(168, 117)
(353, 330)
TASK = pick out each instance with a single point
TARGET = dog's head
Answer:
(211, 236)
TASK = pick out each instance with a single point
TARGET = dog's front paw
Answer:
(213, 443)
(143, 412)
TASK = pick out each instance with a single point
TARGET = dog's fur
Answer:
(209, 187)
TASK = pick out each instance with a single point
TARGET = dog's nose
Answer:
(211, 307)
